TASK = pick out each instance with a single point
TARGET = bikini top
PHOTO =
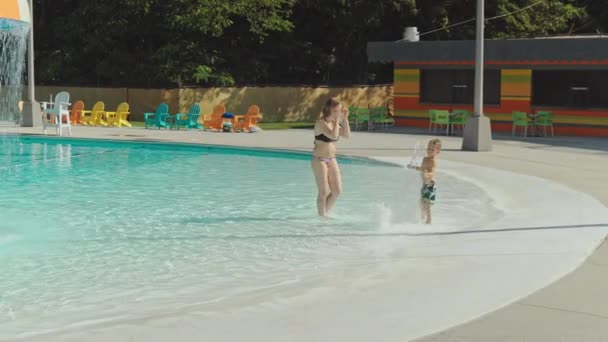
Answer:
(325, 138)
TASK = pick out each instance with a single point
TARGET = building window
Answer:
(570, 88)
(457, 86)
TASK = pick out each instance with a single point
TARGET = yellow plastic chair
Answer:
(119, 117)
(94, 116)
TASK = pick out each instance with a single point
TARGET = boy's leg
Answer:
(425, 211)
(421, 204)
(422, 210)
(429, 199)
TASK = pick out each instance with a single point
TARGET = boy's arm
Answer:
(418, 168)
(428, 165)
(429, 168)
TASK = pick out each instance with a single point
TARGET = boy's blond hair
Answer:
(434, 143)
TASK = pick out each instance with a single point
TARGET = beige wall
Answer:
(110, 96)
(276, 103)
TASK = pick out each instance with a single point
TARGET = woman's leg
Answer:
(335, 183)
(319, 168)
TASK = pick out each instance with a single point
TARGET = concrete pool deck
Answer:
(572, 309)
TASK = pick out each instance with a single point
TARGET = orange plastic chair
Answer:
(76, 113)
(215, 120)
(245, 122)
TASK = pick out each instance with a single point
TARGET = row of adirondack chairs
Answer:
(59, 115)
(98, 116)
(214, 121)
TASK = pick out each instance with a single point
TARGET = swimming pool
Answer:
(97, 231)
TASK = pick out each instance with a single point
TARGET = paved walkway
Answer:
(574, 308)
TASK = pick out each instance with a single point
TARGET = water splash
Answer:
(13, 45)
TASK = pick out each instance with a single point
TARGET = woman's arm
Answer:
(345, 129)
(324, 128)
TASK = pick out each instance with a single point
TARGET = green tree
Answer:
(155, 43)
(596, 20)
(147, 42)
(546, 17)
(328, 43)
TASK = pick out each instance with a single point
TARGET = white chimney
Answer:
(411, 34)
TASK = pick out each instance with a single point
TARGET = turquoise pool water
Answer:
(92, 231)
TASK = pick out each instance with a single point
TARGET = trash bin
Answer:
(227, 125)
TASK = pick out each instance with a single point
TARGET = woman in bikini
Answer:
(328, 129)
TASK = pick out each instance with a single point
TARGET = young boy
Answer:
(427, 172)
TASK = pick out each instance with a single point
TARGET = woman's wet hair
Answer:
(329, 104)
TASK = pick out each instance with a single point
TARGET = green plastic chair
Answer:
(431, 119)
(353, 117)
(189, 120)
(459, 117)
(158, 118)
(442, 117)
(363, 117)
(380, 117)
(544, 119)
(520, 119)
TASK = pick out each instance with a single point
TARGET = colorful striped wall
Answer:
(516, 94)
(406, 97)
(407, 82)
(515, 89)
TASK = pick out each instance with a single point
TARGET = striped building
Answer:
(568, 76)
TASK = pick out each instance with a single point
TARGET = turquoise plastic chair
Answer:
(189, 120)
(158, 118)
(520, 119)
(544, 119)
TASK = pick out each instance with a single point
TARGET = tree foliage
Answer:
(152, 43)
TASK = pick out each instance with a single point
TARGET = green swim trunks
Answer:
(427, 193)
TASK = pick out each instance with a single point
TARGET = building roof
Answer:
(540, 51)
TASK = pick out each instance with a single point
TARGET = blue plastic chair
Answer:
(189, 120)
(158, 118)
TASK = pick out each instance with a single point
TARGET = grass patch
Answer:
(137, 123)
(285, 125)
(263, 125)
